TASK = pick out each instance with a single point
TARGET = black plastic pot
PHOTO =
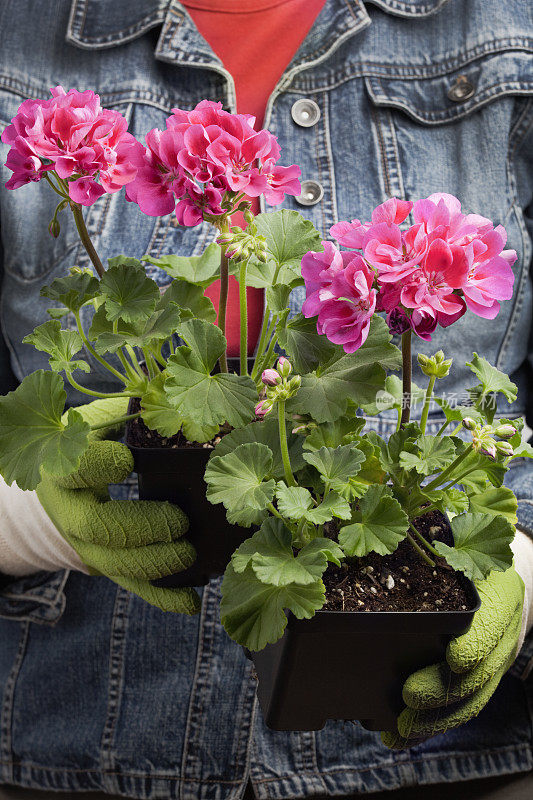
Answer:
(345, 665)
(177, 475)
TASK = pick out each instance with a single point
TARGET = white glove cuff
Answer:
(29, 541)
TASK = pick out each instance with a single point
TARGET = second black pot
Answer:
(345, 665)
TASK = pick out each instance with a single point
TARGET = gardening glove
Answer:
(131, 542)
(449, 694)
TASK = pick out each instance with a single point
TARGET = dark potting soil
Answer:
(140, 435)
(401, 581)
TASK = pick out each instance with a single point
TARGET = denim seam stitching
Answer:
(329, 155)
(378, 140)
(117, 643)
(320, 206)
(9, 695)
(117, 773)
(421, 760)
(409, 9)
(188, 724)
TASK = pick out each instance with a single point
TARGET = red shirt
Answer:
(255, 40)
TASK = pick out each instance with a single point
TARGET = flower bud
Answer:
(263, 408)
(248, 215)
(505, 448)
(488, 450)
(294, 384)
(469, 423)
(54, 229)
(505, 431)
(435, 366)
(271, 377)
(422, 360)
(439, 357)
(284, 367)
(224, 238)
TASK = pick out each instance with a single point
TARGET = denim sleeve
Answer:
(520, 476)
(37, 597)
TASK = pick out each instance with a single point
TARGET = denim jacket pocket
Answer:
(35, 598)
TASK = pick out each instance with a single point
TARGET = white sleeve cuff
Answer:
(29, 541)
(522, 547)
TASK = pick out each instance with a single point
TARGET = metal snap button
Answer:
(461, 90)
(305, 113)
(312, 193)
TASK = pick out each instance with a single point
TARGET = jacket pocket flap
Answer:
(450, 96)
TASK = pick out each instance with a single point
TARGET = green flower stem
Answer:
(85, 238)
(133, 358)
(440, 479)
(289, 477)
(268, 355)
(262, 341)
(443, 428)
(130, 372)
(93, 352)
(92, 393)
(424, 540)
(406, 378)
(425, 410)
(457, 429)
(420, 552)
(113, 423)
(243, 303)
(223, 299)
(57, 189)
(274, 511)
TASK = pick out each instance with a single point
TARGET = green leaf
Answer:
(492, 383)
(191, 300)
(241, 481)
(496, 502)
(306, 349)
(206, 401)
(379, 526)
(108, 337)
(201, 270)
(252, 612)
(60, 345)
(450, 501)
(336, 465)
(270, 554)
(458, 413)
(289, 236)
(265, 431)
(482, 544)
(129, 294)
(391, 396)
(33, 437)
(157, 411)
(432, 454)
(334, 434)
(480, 469)
(277, 297)
(73, 290)
(325, 392)
(296, 502)
(400, 441)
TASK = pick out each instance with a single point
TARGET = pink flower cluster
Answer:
(423, 276)
(206, 159)
(73, 136)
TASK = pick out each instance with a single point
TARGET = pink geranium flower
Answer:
(205, 162)
(339, 291)
(425, 275)
(87, 146)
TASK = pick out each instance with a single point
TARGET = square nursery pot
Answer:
(350, 665)
(177, 475)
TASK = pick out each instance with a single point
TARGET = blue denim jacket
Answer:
(98, 690)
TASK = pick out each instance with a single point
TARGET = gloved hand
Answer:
(448, 694)
(130, 541)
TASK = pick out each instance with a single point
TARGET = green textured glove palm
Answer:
(448, 694)
(132, 542)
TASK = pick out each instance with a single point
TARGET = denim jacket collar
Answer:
(99, 24)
